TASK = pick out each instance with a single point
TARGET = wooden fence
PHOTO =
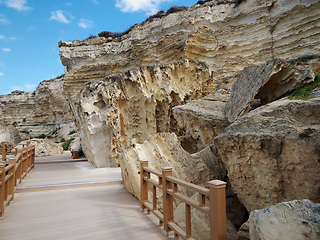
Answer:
(12, 172)
(5, 148)
(169, 186)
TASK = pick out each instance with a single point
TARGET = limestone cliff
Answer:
(125, 91)
(225, 35)
(38, 112)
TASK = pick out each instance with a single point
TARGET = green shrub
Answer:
(66, 144)
(303, 92)
(42, 136)
(72, 132)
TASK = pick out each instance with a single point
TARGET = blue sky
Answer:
(31, 29)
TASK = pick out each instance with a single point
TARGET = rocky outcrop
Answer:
(226, 35)
(45, 147)
(9, 134)
(38, 112)
(127, 108)
(299, 219)
(272, 153)
(264, 83)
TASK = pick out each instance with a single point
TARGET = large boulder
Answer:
(296, 220)
(264, 83)
(200, 121)
(272, 153)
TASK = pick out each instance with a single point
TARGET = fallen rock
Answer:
(295, 220)
(200, 121)
(266, 83)
(45, 147)
(272, 153)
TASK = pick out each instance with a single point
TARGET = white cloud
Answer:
(149, 6)
(85, 23)
(68, 4)
(3, 19)
(17, 4)
(26, 87)
(7, 39)
(59, 16)
(1, 73)
(94, 1)
(6, 50)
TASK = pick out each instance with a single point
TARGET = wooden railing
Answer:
(5, 148)
(12, 172)
(169, 186)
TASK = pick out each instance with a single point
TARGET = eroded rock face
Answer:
(9, 134)
(265, 83)
(200, 121)
(127, 108)
(299, 219)
(38, 112)
(272, 153)
(226, 35)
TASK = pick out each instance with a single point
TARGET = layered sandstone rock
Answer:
(9, 134)
(299, 219)
(225, 35)
(38, 112)
(127, 108)
(272, 153)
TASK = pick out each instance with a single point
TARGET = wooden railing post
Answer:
(218, 218)
(2, 186)
(167, 200)
(11, 183)
(4, 151)
(33, 155)
(19, 169)
(143, 184)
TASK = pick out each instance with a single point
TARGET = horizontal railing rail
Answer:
(12, 172)
(169, 185)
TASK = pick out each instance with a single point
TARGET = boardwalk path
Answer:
(75, 201)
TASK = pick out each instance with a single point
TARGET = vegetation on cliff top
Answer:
(159, 14)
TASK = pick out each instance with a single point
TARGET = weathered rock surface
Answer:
(296, 220)
(200, 121)
(164, 149)
(265, 83)
(9, 134)
(272, 154)
(226, 35)
(127, 108)
(45, 147)
(38, 112)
